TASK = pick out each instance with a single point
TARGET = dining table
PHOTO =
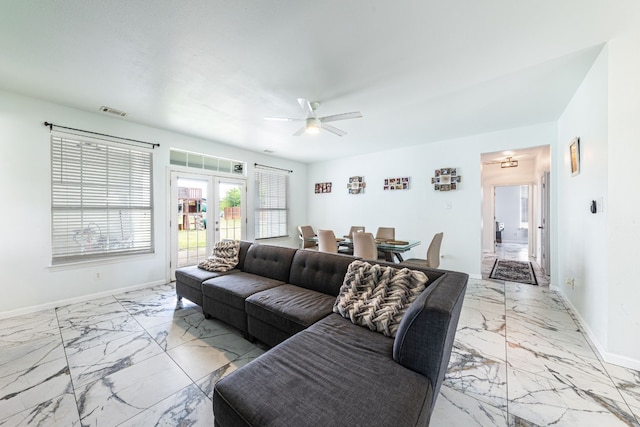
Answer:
(390, 248)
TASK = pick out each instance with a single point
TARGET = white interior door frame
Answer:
(544, 226)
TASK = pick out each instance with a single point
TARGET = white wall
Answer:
(28, 281)
(582, 250)
(420, 212)
(600, 251)
(624, 204)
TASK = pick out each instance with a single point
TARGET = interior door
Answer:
(545, 243)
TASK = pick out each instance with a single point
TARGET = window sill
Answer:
(99, 261)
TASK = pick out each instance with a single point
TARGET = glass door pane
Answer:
(230, 213)
(192, 221)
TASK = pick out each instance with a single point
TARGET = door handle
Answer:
(540, 227)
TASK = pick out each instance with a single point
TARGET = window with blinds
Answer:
(272, 189)
(101, 196)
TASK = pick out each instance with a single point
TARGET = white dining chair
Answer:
(327, 241)
(354, 229)
(433, 254)
(305, 232)
(386, 233)
(364, 246)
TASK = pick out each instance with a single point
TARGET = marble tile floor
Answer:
(141, 359)
(135, 359)
(521, 359)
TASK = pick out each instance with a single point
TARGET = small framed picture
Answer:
(574, 153)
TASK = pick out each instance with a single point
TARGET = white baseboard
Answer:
(475, 276)
(613, 358)
(83, 298)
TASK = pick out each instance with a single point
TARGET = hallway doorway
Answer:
(512, 183)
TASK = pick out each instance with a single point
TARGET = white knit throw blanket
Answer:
(223, 258)
(377, 297)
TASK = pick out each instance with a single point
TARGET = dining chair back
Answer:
(386, 233)
(433, 254)
(327, 241)
(305, 232)
(354, 229)
(364, 246)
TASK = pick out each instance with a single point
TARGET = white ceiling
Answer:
(419, 71)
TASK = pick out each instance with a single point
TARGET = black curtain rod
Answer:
(51, 126)
(272, 167)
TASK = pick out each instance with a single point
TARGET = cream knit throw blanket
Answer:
(377, 297)
(223, 258)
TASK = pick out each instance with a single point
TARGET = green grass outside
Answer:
(192, 238)
(198, 238)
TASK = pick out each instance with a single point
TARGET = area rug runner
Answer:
(513, 271)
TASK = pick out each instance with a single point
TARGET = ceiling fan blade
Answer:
(343, 116)
(306, 107)
(300, 131)
(283, 119)
(333, 129)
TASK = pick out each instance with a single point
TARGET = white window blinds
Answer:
(272, 187)
(101, 195)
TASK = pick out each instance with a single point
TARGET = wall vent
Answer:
(113, 111)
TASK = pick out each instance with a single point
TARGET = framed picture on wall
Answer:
(574, 155)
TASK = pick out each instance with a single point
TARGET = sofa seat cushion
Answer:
(353, 381)
(193, 276)
(289, 308)
(233, 289)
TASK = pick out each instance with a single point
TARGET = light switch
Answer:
(447, 205)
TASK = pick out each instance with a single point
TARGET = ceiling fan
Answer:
(313, 123)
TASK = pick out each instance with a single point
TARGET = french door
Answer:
(204, 210)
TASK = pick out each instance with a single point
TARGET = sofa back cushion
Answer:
(242, 254)
(319, 271)
(269, 261)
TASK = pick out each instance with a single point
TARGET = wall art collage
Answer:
(323, 187)
(446, 179)
(396, 183)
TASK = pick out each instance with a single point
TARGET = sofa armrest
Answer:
(424, 339)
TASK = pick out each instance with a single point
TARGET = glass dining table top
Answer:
(383, 245)
(389, 245)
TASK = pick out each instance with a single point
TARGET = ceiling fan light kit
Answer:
(313, 123)
(313, 126)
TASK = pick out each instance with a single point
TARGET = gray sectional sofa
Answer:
(323, 369)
